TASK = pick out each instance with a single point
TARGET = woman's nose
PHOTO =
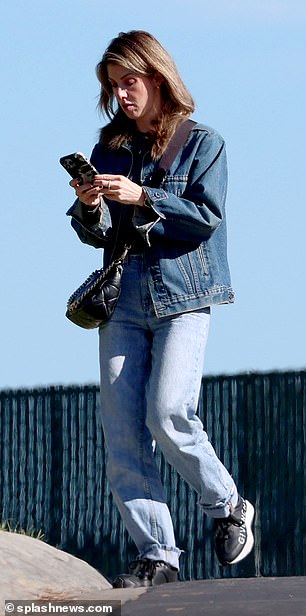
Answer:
(121, 93)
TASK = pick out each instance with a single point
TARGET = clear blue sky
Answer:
(245, 64)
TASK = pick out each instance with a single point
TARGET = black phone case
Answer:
(79, 167)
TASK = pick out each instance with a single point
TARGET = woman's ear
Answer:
(157, 80)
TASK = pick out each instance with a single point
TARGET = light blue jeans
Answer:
(151, 372)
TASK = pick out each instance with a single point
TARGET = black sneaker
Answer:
(146, 572)
(234, 539)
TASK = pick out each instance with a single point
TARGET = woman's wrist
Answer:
(142, 198)
(145, 199)
(92, 207)
(91, 214)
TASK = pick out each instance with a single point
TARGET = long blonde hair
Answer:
(141, 53)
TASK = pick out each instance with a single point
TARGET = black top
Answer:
(141, 145)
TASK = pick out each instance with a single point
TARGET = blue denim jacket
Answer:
(184, 229)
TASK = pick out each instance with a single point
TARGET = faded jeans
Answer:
(151, 372)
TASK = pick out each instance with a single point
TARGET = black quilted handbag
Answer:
(94, 302)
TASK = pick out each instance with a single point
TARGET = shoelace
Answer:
(222, 526)
(145, 568)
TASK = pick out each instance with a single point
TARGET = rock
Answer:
(32, 569)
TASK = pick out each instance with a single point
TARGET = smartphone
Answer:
(79, 167)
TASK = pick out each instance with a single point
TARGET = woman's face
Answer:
(139, 97)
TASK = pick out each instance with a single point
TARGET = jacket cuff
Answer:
(85, 214)
(152, 196)
(97, 221)
(91, 216)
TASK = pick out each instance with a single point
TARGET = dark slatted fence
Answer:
(52, 473)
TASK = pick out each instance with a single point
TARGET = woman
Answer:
(152, 349)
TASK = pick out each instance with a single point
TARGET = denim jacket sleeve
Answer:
(93, 228)
(193, 206)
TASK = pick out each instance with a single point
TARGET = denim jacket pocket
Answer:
(194, 271)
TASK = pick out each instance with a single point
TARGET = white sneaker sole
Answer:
(247, 548)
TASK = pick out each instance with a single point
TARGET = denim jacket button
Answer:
(158, 194)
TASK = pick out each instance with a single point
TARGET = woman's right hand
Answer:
(87, 194)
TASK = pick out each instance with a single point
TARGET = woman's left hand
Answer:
(119, 188)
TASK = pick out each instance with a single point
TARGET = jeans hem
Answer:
(169, 555)
(222, 511)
